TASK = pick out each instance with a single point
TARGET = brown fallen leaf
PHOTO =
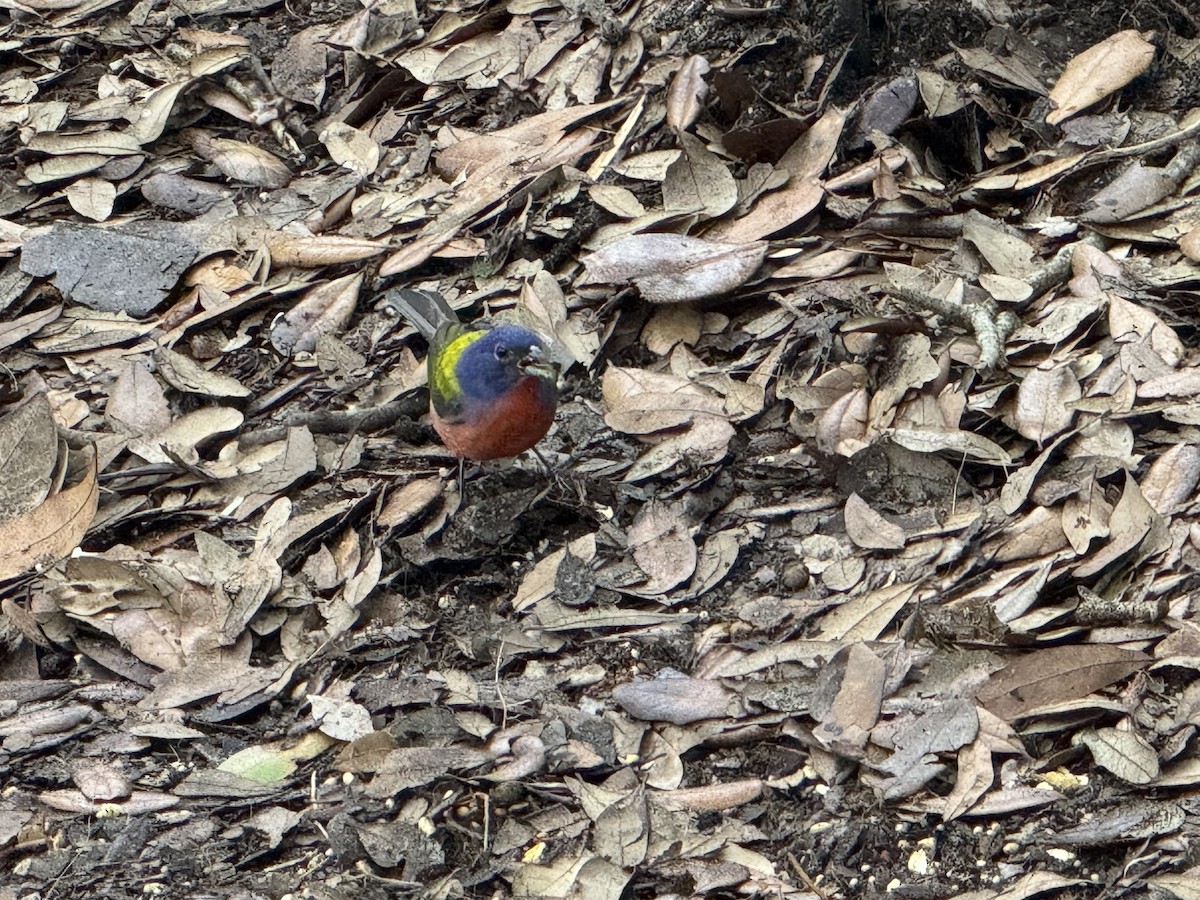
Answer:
(1124, 753)
(238, 160)
(28, 453)
(710, 796)
(685, 97)
(1098, 71)
(1045, 402)
(868, 529)
(51, 530)
(323, 310)
(662, 545)
(1132, 521)
(308, 251)
(137, 803)
(1054, 674)
(846, 725)
(679, 701)
(674, 268)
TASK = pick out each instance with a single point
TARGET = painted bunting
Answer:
(493, 388)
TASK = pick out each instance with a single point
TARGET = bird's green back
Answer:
(445, 350)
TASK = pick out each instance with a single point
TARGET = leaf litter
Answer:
(867, 556)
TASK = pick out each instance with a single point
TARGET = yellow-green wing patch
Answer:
(443, 377)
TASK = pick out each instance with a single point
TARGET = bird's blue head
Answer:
(496, 362)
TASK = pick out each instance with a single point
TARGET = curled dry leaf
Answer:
(110, 143)
(842, 426)
(28, 451)
(868, 529)
(1098, 71)
(136, 803)
(240, 161)
(404, 504)
(967, 443)
(62, 168)
(185, 374)
(673, 268)
(309, 250)
(974, 778)
(1133, 520)
(662, 546)
(23, 326)
(51, 530)
(685, 99)
(528, 754)
(711, 796)
(324, 310)
(181, 437)
(679, 701)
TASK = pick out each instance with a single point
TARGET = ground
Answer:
(861, 558)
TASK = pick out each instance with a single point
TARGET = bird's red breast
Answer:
(506, 426)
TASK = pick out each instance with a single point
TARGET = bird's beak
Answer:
(535, 363)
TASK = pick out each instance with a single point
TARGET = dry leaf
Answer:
(349, 147)
(1098, 71)
(699, 182)
(662, 545)
(1125, 754)
(1054, 674)
(324, 310)
(672, 268)
(686, 96)
(868, 529)
(28, 452)
(1045, 403)
(92, 198)
(1132, 520)
(846, 725)
(137, 404)
(240, 161)
(676, 699)
(51, 530)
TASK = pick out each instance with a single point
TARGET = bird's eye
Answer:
(502, 353)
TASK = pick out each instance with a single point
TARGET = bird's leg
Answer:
(545, 462)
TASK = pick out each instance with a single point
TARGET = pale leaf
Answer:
(1098, 71)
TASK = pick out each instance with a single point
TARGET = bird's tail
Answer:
(427, 311)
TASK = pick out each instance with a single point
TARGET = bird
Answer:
(493, 387)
